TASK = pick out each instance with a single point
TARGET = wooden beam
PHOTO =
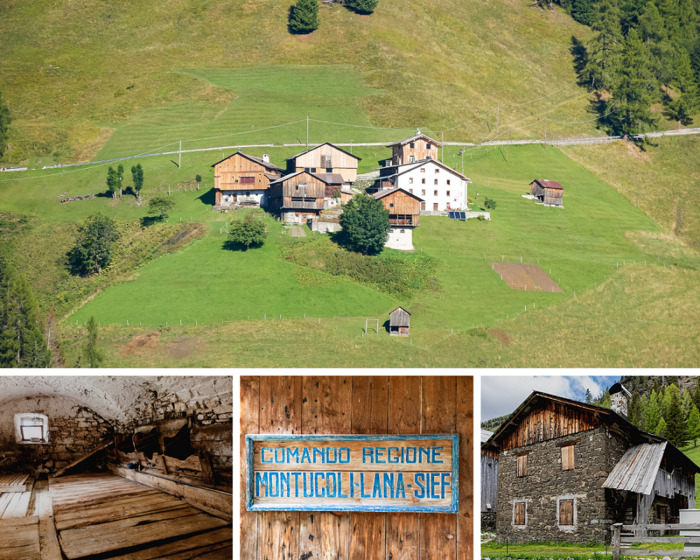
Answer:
(103, 445)
(212, 501)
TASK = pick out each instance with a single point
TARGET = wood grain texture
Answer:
(404, 417)
(465, 429)
(370, 415)
(326, 409)
(250, 423)
(280, 413)
(439, 405)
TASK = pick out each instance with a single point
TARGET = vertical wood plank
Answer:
(439, 531)
(404, 405)
(326, 409)
(369, 416)
(465, 429)
(280, 413)
(250, 424)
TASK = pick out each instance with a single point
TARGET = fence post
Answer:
(617, 527)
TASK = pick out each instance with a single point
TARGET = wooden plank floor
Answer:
(19, 539)
(15, 483)
(115, 518)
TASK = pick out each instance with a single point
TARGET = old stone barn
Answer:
(115, 467)
(359, 405)
(567, 470)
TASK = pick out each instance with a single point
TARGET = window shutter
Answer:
(566, 512)
(567, 458)
(521, 465)
(520, 513)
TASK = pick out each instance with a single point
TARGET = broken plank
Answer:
(103, 445)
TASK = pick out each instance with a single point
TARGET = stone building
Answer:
(567, 470)
(87, 462)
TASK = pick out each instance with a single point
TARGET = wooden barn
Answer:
(549, 192)
(489, 484)
(399, 322)
(115, 467)
(325, 158)
(297, 196)
(304, 406)
(404, 215)
(567, 470)
(243, 180)
(413, 149)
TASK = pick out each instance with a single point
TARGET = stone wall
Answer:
(546, 483)
(74, 431)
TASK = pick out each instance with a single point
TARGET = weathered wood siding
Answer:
(402, 154)
(229, 173)
(553, 197)
(302, 192)
(359, 405)
(549, 421)
(403, 208)
(489, 480)
(320, 157)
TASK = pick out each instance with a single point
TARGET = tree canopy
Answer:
(303, 16)
(137, 177)
(159, 206)
(365, 224)
(362, 6)
(94, 245)
(5, 121)
(248, 231)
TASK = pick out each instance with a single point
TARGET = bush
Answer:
(489, 204)
(94, 245)
(303, 17)
(365, 224)
(159, 206)
(362, 6)
(248, 232)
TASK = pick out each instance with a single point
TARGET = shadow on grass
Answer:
(230, 245)
(580, 58)
(208, 198)
(150, 220)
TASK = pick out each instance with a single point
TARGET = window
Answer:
(247, 193)
(413, 145)
(435, 193)
(435, 182)
(403, 231)
(435, 206)
(428, 146)
(448, 181)
(247, 179)
(422, 192)
(410, 180)
(448, 193)
(566, 512)
(422, 181)
(437, 170)
(326, 162)
(410, 190)
(31, 428)
(411, 159)
(567, 457)
(422, 169)
(520, 513)
(391, 205)
(329, 170)
(521, 467)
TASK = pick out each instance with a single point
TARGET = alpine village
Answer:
(350, 183)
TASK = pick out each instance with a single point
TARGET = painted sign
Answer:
(416, 473)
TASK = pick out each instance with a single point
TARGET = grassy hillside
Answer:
(75, 72)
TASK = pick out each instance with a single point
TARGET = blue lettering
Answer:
(434, 483)
(279, 455)
(284, 482)
(400, 490)
(389, 481)
(318, 452)
(377, 487)
(261, 479)
(347, 455)
(274, 484)
(293, 454)
(262, 455)
(340, 485)
(310, 493)
(319, 493)
(436, 453)
(380, 453)
(335, 455)
(410, 459)
(445, 479)
(365, 452)
(388, 455)
(419, 478)
(305, 456)
(296, 476)
(330, 478)
(362, 487)
(424, 451)
(352, 485)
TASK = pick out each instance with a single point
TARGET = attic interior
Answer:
(114, 467)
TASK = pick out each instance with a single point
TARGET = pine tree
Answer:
(671, 392)
(589, 397)
(686, 404)
(675, 425)
(685, 103)
(643, 405)
(653, 415)
(605, 49)
(634, 413)
(693, 426)
(583, 11)
(634, 95)
(669, 10)
(303, 17)
(660, 429)
(362, 6)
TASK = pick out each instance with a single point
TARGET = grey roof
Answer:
(485, 435)
(260, 161)
(412, 138)
(330, 178)
(386, 192)
(636, 471)
(324, 144)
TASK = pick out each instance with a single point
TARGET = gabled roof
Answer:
(259, 161)
(423, 162)
(399, 317)
(607, 417)
(324, 144)
(414, 138)
(485, 435)
(386, 192)
(637, 469)
(329, 178)
(546, 184)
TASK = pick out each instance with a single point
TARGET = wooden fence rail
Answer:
(624, 536)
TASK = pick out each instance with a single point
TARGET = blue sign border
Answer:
(453, 508)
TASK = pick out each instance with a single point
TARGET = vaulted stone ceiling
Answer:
(112, 397)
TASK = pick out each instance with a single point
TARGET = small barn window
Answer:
(410, 180)
(437, 170)
(567, 458)
(448, 193)
(410, 190)
(31, 428)
(448, 181)
(521, 466)
(435, 182)
(391, 205)
(247, 180)
(422, 169)
(566, 512)
(413, 145)
(422, 181)
(422, 192)
(520, 513)
(435, 193)
(428, 146)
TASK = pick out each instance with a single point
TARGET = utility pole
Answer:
(307, 132)
(442, 157)
(545, 133)
(179, 156)
(461, 153)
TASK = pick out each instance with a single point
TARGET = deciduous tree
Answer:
(249, 231)
(159, 206)
(112, 182)
(91, 351)
(365, 224)
(693, 426)
(94, 245)
(137, 176)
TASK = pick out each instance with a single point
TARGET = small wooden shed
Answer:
(549, 192)
(399, 322)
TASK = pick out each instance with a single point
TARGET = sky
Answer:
(501, 395)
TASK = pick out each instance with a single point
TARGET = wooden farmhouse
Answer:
(567, 470)
(489, 476)
(399, 322)
(297, 196)
(440, 187)
(115, 467)
(413, 149)
(243, 180)
(549, 192)
(404, 215)
(325, 158)
(337, 190)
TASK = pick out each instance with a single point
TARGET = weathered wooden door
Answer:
(359, 405)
